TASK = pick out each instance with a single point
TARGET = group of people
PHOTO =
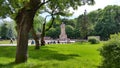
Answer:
(58, 42)
(32, 42)
(53, 42)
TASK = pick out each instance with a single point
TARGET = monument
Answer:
(63, 35)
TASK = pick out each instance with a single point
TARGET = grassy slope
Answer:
(55, 56)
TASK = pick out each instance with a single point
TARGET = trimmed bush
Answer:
(93, 40)
(111, 52)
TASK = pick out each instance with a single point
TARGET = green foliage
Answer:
(84, 26)
(102, 22)
(58, 8)
(13, 6)
(10, 7)
(73, 55)
(69, 31)
(111, 52)
(4, 30)
(107, 23)
(93, 40)
(76, 33)
(8, 30)
(71, 22)
(38, 22)
(53, 33)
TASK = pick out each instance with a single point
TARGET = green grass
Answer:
(55, 56)
(4, 41)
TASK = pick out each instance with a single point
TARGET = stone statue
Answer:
(63, 35)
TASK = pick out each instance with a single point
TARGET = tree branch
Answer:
(52, 14)
(51, 23)
(44, 2)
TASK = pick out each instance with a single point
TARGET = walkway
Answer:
(10, 44)
(7, 44)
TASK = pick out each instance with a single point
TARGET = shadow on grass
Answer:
(7, 51)
(10, 65)
(45, 53)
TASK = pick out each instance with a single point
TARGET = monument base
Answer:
(63, 37)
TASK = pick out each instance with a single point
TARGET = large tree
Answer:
(84, 25)
(104, 21)
(108, 22)
(25, 15)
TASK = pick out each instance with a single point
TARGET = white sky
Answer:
(98, 4)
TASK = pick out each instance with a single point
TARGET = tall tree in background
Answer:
(84, 26)
(108, 22)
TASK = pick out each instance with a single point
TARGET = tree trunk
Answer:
(43, 35)
(22, 45)
(44, 30)
(35, 38)
(24, 22)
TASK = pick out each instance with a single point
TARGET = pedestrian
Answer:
(54, 42)
(11, 41)
(58, 41)
(32, 42)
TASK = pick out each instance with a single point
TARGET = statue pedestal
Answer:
(63, 37)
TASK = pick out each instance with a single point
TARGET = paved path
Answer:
(10, 44)
(7, 44)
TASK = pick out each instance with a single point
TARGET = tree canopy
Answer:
(13, 6)
(24, 11)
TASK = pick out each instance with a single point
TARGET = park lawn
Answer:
(6, 42)
(73, 55)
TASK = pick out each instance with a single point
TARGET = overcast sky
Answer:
(98, 4)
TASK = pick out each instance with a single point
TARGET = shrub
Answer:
(111, 52)
(93, 40)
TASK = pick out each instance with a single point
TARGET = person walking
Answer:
(11, 41)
